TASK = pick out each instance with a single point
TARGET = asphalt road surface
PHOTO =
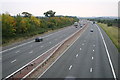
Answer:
(17, 56)
(93, 55)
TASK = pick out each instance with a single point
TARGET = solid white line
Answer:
(27, 43)
(16, 46)
(76, 55)
(30, 62)
(94, 45)
(38, 57)
(114, 75)
(13, 61)
(80, 49)
(82, 43)
(17, 51)
(91, 69)
(57, 58)
(70, 67)
(92, 58)
(31, 52)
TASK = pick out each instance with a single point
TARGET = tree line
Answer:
(109, 22)
(26, 25)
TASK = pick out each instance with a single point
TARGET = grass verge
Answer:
(25, 37)
(112, 32)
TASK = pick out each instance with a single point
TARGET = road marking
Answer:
(50, 42)
(13, 61)
(41, 46)
(93, 50)
(17, 51)
(58, 58)
(70, 67)
(108, 54)
(93, 45)
(31, 52)
(80, 49)
(84, 40)
(92, 58)
(27, 42)
(82, 43)
(76, 55)
(91, 69)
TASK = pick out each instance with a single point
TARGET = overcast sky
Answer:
(82, 8)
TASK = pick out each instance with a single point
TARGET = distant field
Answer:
(112, 32)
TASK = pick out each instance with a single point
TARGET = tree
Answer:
(8, 25)
(26, 14)
(109, 24)
(49, 13)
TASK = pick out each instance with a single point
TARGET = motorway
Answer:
(17, 56)
(93, 55)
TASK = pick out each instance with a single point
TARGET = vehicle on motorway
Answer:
(81, 25)
(91, 30)
(76, 24)
(38, 39)
(93, 22)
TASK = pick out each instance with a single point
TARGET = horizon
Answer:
(79, 8)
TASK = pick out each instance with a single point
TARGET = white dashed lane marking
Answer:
(91, 69)
(13, 61)
(31, 52)
(93, 50)
(76, 55)
(80, 49)
(17, 51)
(41, 46)
(82, 43)
(70, 67)
(92, 58)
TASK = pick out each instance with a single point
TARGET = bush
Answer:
(19, 26)
(109, 24)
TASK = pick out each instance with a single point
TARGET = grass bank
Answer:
(17, 28)
(112, 32)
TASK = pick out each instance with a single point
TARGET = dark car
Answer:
(91, 30)
(81, 25)
(38, 39)
(93, 22)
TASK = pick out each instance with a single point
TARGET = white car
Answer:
(76, 24)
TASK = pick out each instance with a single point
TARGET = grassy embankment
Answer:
(19, 28)
(112, 32)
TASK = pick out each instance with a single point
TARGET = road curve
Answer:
(87, 58)
(16, 57)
